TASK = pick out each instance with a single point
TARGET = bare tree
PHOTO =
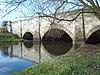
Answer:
(30, 8)
(51, 8)
(92, 5)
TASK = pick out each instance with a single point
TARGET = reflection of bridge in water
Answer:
(32, 54)
(36, 53)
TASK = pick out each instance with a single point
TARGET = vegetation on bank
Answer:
(9, 38)
(83, 61)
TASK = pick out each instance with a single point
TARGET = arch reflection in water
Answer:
(57, 48)
(28, 44)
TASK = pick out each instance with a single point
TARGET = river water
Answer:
(14, 57)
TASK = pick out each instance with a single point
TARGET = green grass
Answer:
(83, 61)
(9, 38)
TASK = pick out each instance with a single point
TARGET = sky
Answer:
(27, 9)
(14, 15)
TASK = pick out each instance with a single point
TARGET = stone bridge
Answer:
(73, 28)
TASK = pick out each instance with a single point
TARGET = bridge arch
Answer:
(55, 33)
(62, 28)
(93, 33)
(28, 36)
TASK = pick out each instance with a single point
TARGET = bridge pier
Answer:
(79, 37)
(36, 37)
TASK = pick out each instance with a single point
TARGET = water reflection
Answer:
(57, 47)
(4, 54)
(36, 52)
(30, 51)
(9, 63)
(4, 47)
(28, 44)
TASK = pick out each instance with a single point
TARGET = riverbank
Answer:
(9, 38)
(83, 61)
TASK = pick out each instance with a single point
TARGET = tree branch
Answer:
(60, 19)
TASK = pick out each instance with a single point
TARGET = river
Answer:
(17, 56)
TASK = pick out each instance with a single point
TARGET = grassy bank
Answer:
(83, 61)
(9, 38)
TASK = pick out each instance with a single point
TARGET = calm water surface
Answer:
(14, 57)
